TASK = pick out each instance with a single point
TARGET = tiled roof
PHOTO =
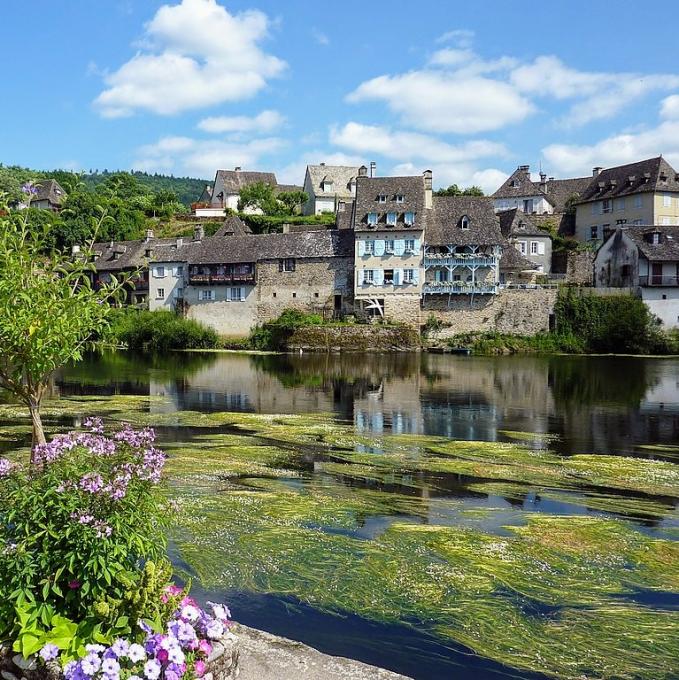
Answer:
(283, 188)
(344, 218)
(560, 190)
(206, 196)
(668, 248)
(444, 227)
(368, 190)
(633, 178)
(513, 260)
(516, 223)
(518, 184)
(232, 181)
(340, 175)
(233, 226)
(49, 190)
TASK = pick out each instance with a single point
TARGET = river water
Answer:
(570, 407)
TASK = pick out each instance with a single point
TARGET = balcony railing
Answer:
(458, 288)
(658, 280)
(220, 279)
(459, 261)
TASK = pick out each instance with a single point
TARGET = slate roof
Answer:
(557, 191)
(206, 196)
(233, 226)
(513, 260)
(668, 248)
(283, 188)
(341, 176)
(444, 225)
(232, 181)
(633, 178)
(344, 218)
(49, 190)
(368, 189)
(516, 223)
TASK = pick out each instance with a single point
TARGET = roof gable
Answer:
(445, 224)
(368, 191)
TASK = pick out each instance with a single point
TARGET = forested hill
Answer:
(186, 189)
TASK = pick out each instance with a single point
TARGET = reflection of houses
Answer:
(463, 248)
(644, 260)
(327, 186)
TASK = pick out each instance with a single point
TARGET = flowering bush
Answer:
(82, 540)
(177, 651)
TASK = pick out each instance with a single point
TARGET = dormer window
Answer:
(514, 184)
(352, 185)
(327, 185)
(372, 218)
(654, 238)
(409, 218)
(400, 198)
(464, 222)
(382, 198)
(391, 219)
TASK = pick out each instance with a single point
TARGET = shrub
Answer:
(160, 331)
(275, 334)
(83, 540)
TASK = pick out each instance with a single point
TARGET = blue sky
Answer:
(469, 90)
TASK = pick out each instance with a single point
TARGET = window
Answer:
(408, 275)
(655, 238)
(515, 183)
(464, 222)
(593, 233)
(294, 295)
(178, 271)
(666, 201)
(410, 245)
(595, 208)
(522, 247)
(620, 222)
(638, 201)
(389, 247)
(533, 247)
(372, 218)
(286, 265)
(159, 272)
(388, 276)
(369, 247)
(315, 295)
(205, 294)
(620, 204)
(528, 205)
(400, 198)
(637, 223)
(409, 218)
(179, 293)
(327, 186)
(626, 270)
(368, 275)
(236, 294)
(391, 219)
(160, 294)
(606, 205)
(382, 198)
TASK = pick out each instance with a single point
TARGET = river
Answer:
(444, 517)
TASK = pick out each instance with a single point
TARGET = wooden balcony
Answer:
(221, 279)
(459, 288)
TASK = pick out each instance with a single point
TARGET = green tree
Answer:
(49, 312)
(454, 190)
(259, 195)
(293, 201)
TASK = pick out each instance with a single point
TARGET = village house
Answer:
(533, 243)
(463, 246)
(49, 195)
(636, 194)
(644, 260)
(548, 196)
(389, 220)
(328, 185)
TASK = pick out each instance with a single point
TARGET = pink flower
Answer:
(173, 590)
(205, 647)
(199, 668)
(74, 584)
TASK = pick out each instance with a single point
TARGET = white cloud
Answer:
(293, 173)
(397, 144)
(320, 37)
(200, 158)
(669, 107)
(461, 37)
(193, 54)
(464, 175)
(266, 121)
(444, 101)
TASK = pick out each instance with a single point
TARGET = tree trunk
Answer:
(38, 432)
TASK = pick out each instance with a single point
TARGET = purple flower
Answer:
(171, 675)
(152, 669)
(176, 655)
(29, 188)
(110, 667)
(90, 664)
(5, 467)
(69, 669)
(74, 584)
(190, 613)
(199, 668)
(220, 611)
(96, 425)
(49, 652)
(145, 626)
(95, 649)
(214, 629)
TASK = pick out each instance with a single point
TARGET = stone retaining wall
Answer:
(359, 338)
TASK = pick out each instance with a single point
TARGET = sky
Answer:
(469, 90)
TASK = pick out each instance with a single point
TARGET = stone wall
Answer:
(517, 311)
(404, 309)
(358, 338)
(580, 267)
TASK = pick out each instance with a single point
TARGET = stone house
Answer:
(328, 185)
(389, 218)
(225, 191)
(463, 246)
(636, 194)
(50, 195)
(533, 243)
(644, 260)
(548, 196)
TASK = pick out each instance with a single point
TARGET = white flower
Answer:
(190, 613)
(136, 653)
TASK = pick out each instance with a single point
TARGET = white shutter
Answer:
(361, 248)
(398, 277)
(361, 276)
(541, 248)
(416, 275)
(378, 277)
(417, 246)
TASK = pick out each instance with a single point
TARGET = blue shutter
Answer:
(398, 277)
(399, 247)
(378, 248)
(417, 246)
(378, 277)
(437, 276)
(361, 248)
(416, 275)
(361, 275)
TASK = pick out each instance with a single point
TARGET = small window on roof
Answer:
(464, 222)
(400, 198)
(382, 198)
(515, 183)
(372, 218)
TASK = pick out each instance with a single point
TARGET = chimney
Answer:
(149, 235)
(596, 171)
(363, 171)
(237, 168)
(180, 242)
(428, 193)
(543, 182)
(373, 169)
(526, 170)
(199, 233)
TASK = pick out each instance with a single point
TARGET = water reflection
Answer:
(593, 404)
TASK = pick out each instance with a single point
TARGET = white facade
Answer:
(167, 285)
(230, 310)
(527, 204)
(663, 303)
